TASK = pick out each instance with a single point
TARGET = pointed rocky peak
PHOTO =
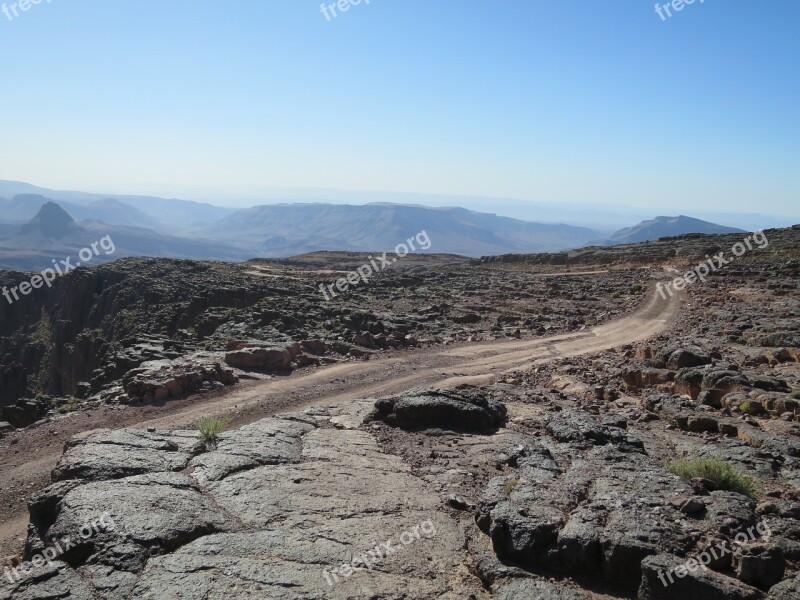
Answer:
(51, 221)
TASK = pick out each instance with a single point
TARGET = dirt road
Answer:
(28, 456)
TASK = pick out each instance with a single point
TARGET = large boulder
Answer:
(462, 410)
(684, 358)
(273, 359)
(25, 412)
(159, 380)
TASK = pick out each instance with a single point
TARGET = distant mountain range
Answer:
(665, 227)
(53, 234)
(21, 201)
(36, 228)
(290, 229)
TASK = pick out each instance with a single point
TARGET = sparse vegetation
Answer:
(71, 405)
(130, 318)
(796, 394)
(749, 408)
(209, 429)
(510, 486)
(615, 295)
(43, 336)
(722, 475)
(637, 288)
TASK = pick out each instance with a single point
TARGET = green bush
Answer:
(636, 288)
(209, 429)
(796, 395)
(722, 475)
(615, 295)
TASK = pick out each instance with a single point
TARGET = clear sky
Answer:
(560, 100)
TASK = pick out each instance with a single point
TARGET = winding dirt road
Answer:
(28, 456)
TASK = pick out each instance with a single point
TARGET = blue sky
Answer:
(591, 102)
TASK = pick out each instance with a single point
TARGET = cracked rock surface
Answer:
(263, 515)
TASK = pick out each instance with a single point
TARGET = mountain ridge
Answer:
(660, 227)
(53, 233)
(289, 229)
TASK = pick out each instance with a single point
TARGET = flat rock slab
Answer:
(125, 452)
(306, 506)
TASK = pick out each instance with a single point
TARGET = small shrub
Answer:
(615, 295)
(71, 405)
(209, 429)
(510, 486)
(796, 394)
(747, 408)
(718, 472)
(636, 288)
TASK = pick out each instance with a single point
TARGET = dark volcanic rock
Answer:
(684, 358)
(420, 409)
(25, 411)
(788, 339)
(661, 581)
(761, 565)
(282, 508)
(597, 511)
(785, 590)
(125, 452)
(582, 429)
(159, 380)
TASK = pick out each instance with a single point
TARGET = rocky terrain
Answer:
(567, 473)
(144, 330)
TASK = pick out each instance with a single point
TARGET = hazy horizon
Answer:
(603, 106)
(602, 217)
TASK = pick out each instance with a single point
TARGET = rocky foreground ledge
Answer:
(445, 495)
